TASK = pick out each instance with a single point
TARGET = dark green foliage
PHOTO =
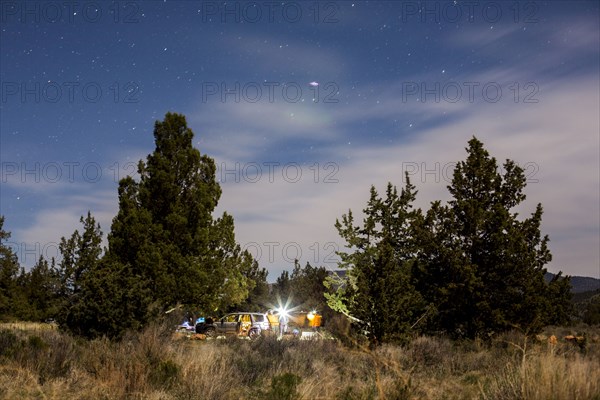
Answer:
(378, 293)
(80, 259)
(40, 289)
(80, 254)
(283, 287)
(258, 299)
(592, 312)
(477, 265)
(558, 295)
(9, 270)
(164, 246)
(303, 291)
(164, 239)
(579, 284)
(304, 288)
(307, 287)
(480, 265)
(111, 301)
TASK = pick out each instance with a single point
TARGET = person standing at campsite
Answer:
(283, 322)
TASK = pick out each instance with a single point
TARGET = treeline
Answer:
(468, 268)
(165, 249)
(53, 290)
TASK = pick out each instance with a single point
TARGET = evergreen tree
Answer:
(559, 307)
(9, 271)
(307, 287)
(258, 299)
(99, 296)
(40, 288)
(442, 274)
(282, 289)
(111, 301)
(165, 234)
(480, 265)
(81, 255)
(591, 315)
(377, 292)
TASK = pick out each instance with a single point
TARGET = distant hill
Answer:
(580, 284)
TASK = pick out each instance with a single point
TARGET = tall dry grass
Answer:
(47, 364)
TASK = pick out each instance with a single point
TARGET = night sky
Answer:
(303, 106)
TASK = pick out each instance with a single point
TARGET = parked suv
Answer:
(241, 324)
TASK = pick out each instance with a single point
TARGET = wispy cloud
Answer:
(285, 55)
(42, 236)
(555, 140)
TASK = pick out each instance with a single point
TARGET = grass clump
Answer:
(284, 387)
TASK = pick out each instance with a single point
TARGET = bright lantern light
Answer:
(282, 311)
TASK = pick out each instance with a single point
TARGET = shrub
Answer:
(9, 343)
(283, 387)
(165, 374)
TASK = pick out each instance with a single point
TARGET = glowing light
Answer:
(283, 308)
(283, 311)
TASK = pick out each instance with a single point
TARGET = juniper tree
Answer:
(79, 254)
(80, 257)
(165, 234)
(111, 301)
(9, 270)
(307, 286)
(480, 264)
(40, 289)
(258, 298)
(282, 289)
(377, 291)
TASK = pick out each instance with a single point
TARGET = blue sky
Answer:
(303, 106)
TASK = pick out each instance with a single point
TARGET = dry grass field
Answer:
(39, 362)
